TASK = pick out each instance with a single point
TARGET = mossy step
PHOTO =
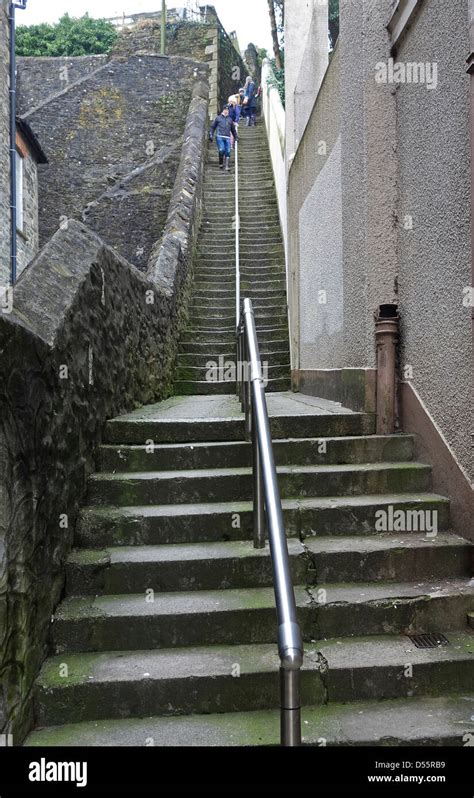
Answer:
(444, 721)
(101, 526)
(224, 286)
(189, 360)
(236, 484)
(225, 317)
(290, 451)
(193, 335)
(204, 388)
(221, 347)
(140, 426)
(237, 564)
(221, 617)
(217, 679)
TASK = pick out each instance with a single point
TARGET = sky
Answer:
(248, 17)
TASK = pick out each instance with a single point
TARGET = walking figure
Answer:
(250, 102)
(224, 127)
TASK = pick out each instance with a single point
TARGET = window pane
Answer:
(19, 192)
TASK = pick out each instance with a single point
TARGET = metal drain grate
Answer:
(432, 640)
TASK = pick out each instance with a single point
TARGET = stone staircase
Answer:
(210, 337)
(167, 632)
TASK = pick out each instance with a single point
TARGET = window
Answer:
(19, 192)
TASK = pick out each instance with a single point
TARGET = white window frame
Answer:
(19, 192)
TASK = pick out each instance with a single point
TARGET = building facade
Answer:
(28, 155)
(379, 213)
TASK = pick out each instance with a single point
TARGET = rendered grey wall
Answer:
(4, 148)
(315, 233)
(321, 276)
(435, 256)
(369, 175)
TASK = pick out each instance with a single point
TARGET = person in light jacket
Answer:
(224, 127)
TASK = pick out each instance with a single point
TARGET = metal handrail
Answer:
(266, 492)
(237, 238)
(266, 497)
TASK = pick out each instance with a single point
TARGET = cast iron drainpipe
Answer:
(11, 17)
(387, 324)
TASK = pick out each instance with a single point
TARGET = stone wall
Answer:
(231, 68)
(4, 147)
(315, 234)
(206, 42)
(113, 141)
(40, 77)
(90, 336)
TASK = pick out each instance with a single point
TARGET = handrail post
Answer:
(290, 702)
(258, 496)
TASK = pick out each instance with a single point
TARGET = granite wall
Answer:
(89, 336)
(113, 140)
(40, 77)
(4, 148)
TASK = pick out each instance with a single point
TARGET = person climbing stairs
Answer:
(207, 350)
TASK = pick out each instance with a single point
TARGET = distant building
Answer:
(28, 155)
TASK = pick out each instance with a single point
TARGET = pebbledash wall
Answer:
(379, 208)
(90, 336)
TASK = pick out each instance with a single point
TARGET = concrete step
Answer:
(237, 564)
(253, 263)
(245, 616)
(141, 426)
(248, 226)
(184, 387)
(224, 316)
(223, 275)
(223, 288)
(202, 348)
(296, 451)
(123, 684)
(235, 484)
(101, 526)
(194, 335)
(218, 370)
(192, 360)
(409, 721)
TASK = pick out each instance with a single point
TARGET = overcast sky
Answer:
(248, 17)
